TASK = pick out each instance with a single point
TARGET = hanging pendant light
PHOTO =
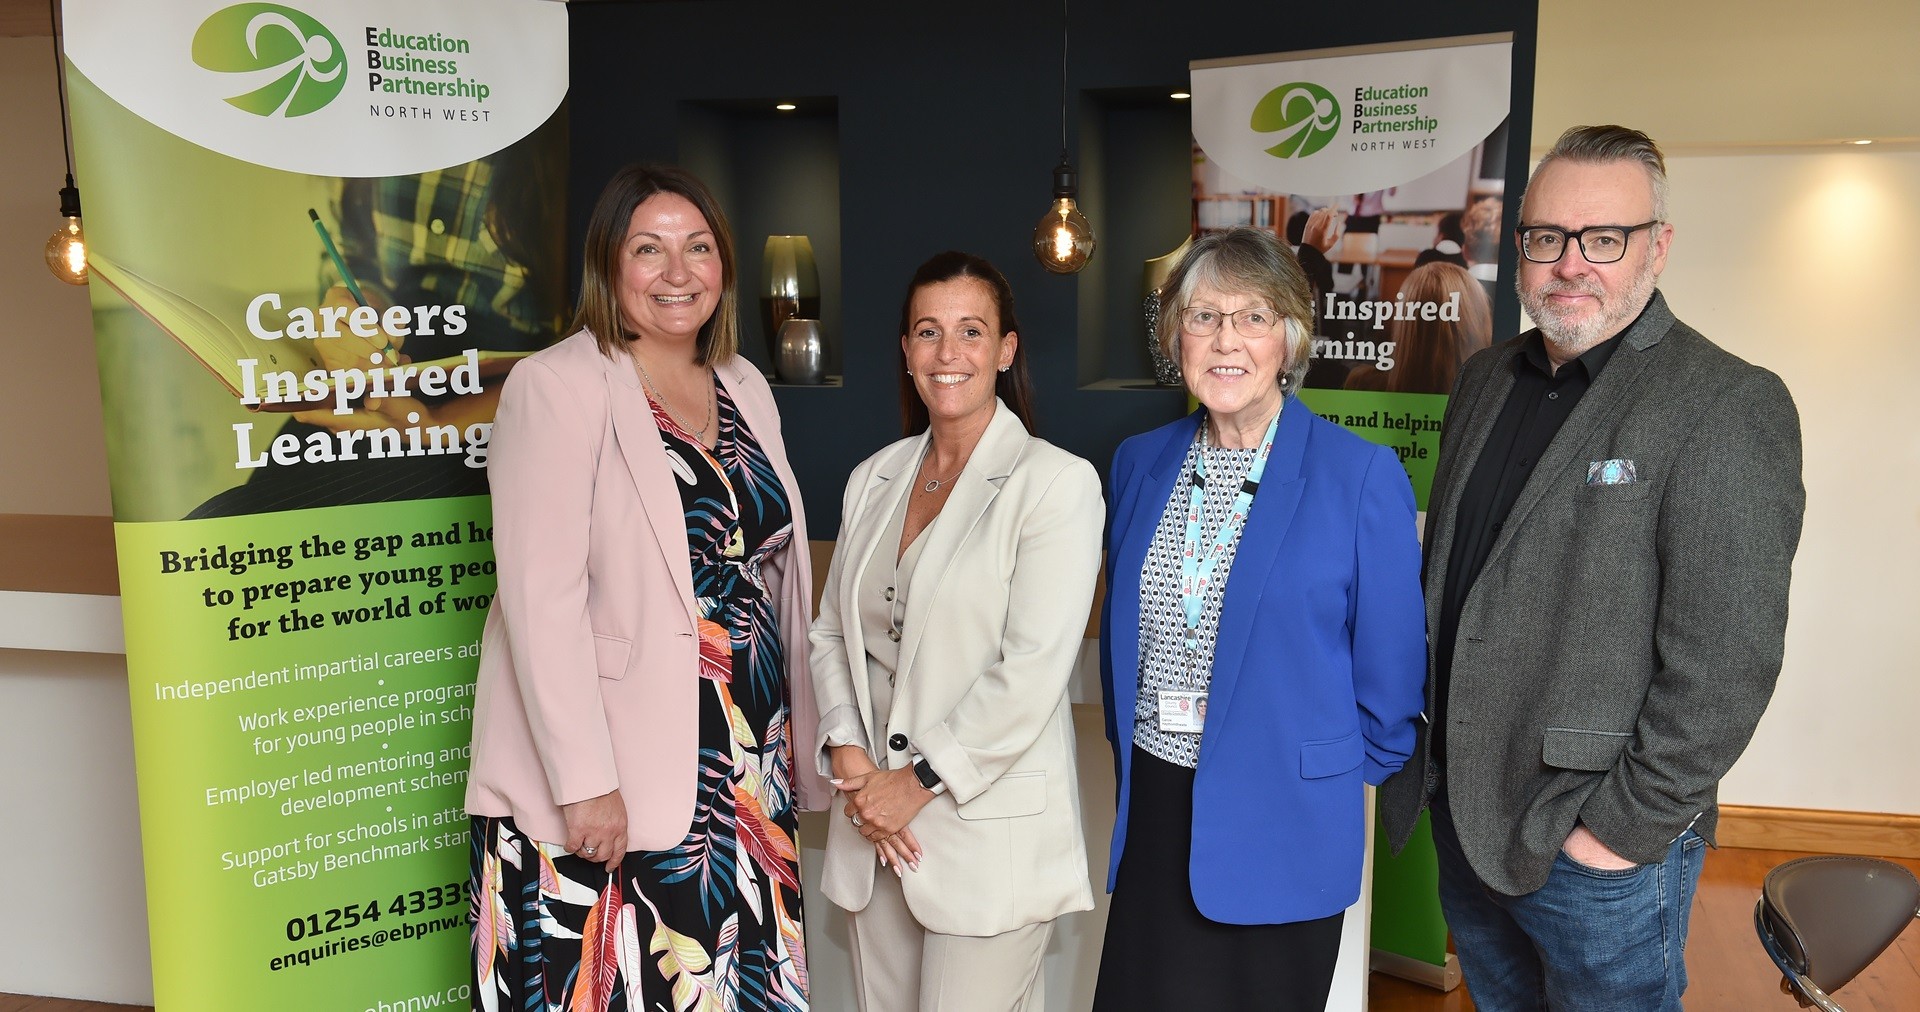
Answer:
(1063, 239)
(67, 248)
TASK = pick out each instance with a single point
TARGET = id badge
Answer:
(1182, 711)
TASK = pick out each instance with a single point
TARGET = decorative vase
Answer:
(800, 354)
(789, 286)
(1152, 274)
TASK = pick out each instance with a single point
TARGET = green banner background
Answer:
(301, 660)
(1410, 423)
(303, 749)
(1406, 887)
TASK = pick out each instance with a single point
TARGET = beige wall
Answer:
(76, 923)
(1793, 250)
(66, 740)
(1803, 263)
(53, 452)
(1704, 75)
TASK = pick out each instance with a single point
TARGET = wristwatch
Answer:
(927, 777)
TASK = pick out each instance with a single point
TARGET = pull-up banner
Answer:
(319, 235)
(1384, 167)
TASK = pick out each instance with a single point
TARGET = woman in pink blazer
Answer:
(645, 662)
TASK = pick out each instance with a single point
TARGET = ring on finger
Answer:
(856, 821)
(589, 851)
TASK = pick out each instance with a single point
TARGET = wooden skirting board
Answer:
(1820, 832)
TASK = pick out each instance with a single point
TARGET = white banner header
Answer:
(394, 88)
(1350, 124)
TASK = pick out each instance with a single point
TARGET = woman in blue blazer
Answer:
(1263, 651)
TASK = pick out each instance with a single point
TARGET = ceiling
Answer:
(1717, 75)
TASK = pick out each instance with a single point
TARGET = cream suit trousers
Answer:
(899, 966)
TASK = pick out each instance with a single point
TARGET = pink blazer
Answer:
(588, 663)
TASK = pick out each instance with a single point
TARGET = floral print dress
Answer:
(715, 923)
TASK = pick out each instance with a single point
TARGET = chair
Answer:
(1824, 919)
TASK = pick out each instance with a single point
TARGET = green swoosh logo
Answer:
(290, 63)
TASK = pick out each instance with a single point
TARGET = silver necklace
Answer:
(699, 435)
(933, 484)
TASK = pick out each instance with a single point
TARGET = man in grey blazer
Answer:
(1614, 517)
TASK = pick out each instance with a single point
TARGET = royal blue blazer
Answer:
(1318, 669)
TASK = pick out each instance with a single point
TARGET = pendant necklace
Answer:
(700, 435)
(933, 484)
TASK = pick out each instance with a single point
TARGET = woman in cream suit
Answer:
(632, 770)
(948, 627)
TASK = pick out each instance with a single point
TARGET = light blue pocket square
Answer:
(1611, 472)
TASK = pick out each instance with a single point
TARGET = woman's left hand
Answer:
(597, 829)
(883, 802)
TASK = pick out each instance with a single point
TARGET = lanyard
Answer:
(1196, 564)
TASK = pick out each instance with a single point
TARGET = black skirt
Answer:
(1161, 953)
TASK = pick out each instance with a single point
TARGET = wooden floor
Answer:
(1727, 969)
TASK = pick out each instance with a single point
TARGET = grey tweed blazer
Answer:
(1623, 639)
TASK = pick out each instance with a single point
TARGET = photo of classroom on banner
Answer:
(1385, 171)
(1404, 277)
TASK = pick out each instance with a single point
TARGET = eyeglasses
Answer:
(1203, 322)
(1600, 244)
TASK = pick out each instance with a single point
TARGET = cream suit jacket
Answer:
(995, 619)
(589, 662)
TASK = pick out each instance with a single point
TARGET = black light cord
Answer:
(1063, 80)
(60, 82)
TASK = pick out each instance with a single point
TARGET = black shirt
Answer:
(1537, 406)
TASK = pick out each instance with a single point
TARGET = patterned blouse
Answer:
(1165, 661)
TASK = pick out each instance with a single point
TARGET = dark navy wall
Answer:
(947, 121)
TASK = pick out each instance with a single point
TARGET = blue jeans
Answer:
(1587, 941)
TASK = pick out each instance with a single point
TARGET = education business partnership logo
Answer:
(1303, 114)
(300, 60)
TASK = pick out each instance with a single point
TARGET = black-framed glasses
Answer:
(1600, 244)
(1201, 321)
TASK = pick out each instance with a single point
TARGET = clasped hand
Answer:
(881, 803)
